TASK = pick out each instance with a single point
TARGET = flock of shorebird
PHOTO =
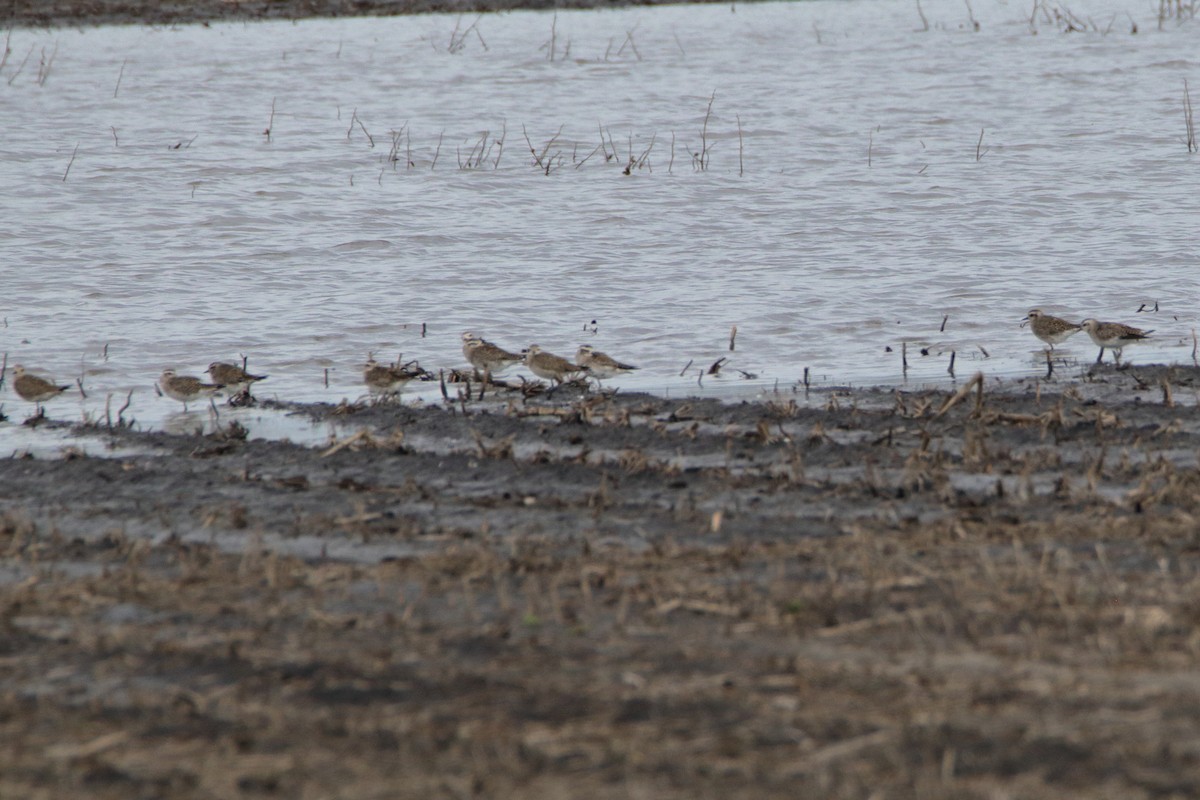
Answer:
(1107, 335)
(489, 359)
(381, 380)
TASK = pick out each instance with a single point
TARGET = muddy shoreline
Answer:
(925, 594)
(77, 13)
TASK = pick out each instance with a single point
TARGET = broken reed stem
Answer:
(117, 88)
(921, 14)
(437, 151)
(870, 145)
(978, 145)
(1195, 343)
(971, 15)
(944, 320)
(643, 159)
(370, 138)
(732, 337)
(704, 133)
(950, 369)
(1168, 400)
(532, 150)
(69, 163)
(121, 411)
(545, 163)
(904, 356)
(21, 66)
(44, 65)
(500, 143)
(1187, 118)
(584, 160)
(671, 163)
(3, 369)
(271, 121)
(629, 41)
(741, 148)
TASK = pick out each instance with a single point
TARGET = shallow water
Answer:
(857, 211)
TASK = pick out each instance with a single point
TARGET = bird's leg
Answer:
(1100, 357)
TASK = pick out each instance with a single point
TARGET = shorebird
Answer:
(1051, 330)
(601, 365)
(549, 366)
(34, 389)
(486, 357)
(386, 380)
(1113, 335)
(233, 377)
(186, 388)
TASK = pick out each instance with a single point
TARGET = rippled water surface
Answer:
(848, 205)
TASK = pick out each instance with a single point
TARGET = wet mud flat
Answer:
(980, 591)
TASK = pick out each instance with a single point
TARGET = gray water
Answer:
(848, 203)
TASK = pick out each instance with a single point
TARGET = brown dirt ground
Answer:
(620, 596)
(39, 13)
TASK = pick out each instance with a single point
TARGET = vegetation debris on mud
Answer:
(913, 594)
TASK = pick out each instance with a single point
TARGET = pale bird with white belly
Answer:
(1114, 336)
(34, 389)
(601, 365)
(549, 366)
(186, 388)
(1050, 329)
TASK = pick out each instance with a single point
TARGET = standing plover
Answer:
(386, 380)
(1113, 335)
(601, 365)
(549, 366)
(1051, 330)
(186, 388)
(34, 389)
(486, 357)
(233, 377)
